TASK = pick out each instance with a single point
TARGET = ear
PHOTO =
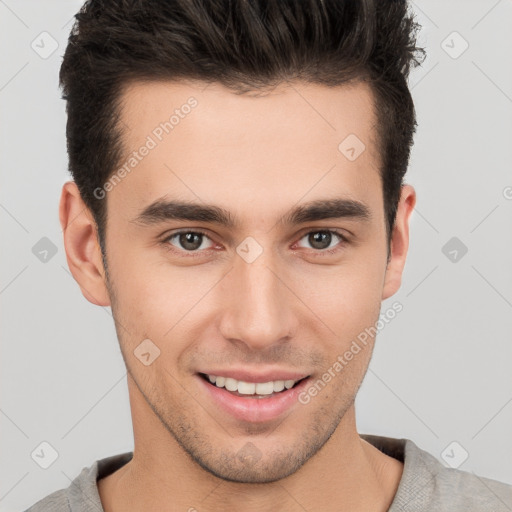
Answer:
(399, 242)
(83, 251)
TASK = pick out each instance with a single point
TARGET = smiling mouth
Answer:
(251, 389)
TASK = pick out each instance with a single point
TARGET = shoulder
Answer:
(428, 485)
(70, 499)
(82, 493)
(55, 502)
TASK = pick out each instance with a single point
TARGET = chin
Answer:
(244, 469)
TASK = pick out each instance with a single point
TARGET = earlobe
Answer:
(399, 242)
(83, 252)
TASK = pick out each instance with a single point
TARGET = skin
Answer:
(292, 308)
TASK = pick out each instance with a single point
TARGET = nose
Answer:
(258, 307)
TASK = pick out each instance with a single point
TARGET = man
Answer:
(238, 200)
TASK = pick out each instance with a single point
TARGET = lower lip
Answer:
(251, 409)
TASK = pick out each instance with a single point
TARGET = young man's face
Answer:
(268, 298)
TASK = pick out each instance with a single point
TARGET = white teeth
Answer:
(289, 383)
(246, 388)
(278, 385)
(231, 384)
(251, 388)
(264, 388)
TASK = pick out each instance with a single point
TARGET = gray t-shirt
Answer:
(426, 485)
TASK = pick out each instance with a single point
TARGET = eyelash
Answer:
(197, 253)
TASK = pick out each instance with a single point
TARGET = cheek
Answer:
(155, 300)
(347, 297)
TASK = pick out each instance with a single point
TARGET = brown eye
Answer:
(320, 240)
(323, 240)
(188, 241)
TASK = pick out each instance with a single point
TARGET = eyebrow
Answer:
(164, 210)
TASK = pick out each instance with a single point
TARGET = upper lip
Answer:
(260, 376)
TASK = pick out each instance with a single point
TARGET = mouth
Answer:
(253, 402)
(251, 389)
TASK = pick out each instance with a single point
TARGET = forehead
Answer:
(207, 143)
(295, 107)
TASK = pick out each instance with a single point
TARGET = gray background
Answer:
(441, 369)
